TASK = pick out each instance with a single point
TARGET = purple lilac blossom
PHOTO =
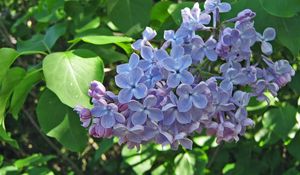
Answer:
(164, 95)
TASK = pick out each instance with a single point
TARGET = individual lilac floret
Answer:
(171, 112)
(177, 66)
(174, 38)
(145, 110)
(189, 96)
(96, 90)
(148, 34)
(108, 113)
(98, 131)
(131, 86)
(85, 115)
(128, 67)
(204, 49)
(193, 19)
(268, 35)
(212, 5)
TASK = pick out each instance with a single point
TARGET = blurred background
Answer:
(46, 138)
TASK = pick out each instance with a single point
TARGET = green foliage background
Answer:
(52, 49)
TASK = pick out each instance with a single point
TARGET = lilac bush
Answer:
(169, 93)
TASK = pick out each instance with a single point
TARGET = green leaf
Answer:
(105, 145)
(4, 136)
(90, 25)
(185, 164)
(175, 10)
(22, 89)
(293, 147)
(107, 53)
(68, 75)
(127, 14)
(10, 81)
(292, 171)
(102, 40)
(35, 159)
(159, 11)
(7, 57)
(280, 120)
(295, 83)
(281, 8)
(60, 122)
(42, 42)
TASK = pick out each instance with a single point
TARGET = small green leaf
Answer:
(159, 11)
(4, 136)
(60, 122)
(35, 159)
(280, 120)
(42, 42)
(68, 75)
(10, 81)
(90, 25)
(102, 40)
(22, 89)
(128, 14)
(281, 8)
(7, 58)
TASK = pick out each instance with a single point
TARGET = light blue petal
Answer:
(125, 95)
(224, 7)
(169, 64)
(147, 53)
(173, 80)
(183, 89)
(169, 117)
(269, 34)
(266, 48)
(187, 143)
(184, 62)
(211, 55)
(134, 60)
(186, 77)
(177, 52)
(123, 68)
(107, 121)
(119, 117)
(135, 76)
(149, 33)
(161, 54)
(184, 103)
(155, 114)
(122, 81)
(150, 101)
(145, 64)
(137, 45)
(138, 118)
(140, 91)
(200, 101)
(183, 117)
(135, 106)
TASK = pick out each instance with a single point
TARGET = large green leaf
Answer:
(7, 57)
(42, 42)
(35, 159)
(68, 75)
(22, 89)
(127, 14)
(60, 122)
(10, 81)
(280, 120)
(281, 8)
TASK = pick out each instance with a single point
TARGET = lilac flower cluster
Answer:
(166, 95)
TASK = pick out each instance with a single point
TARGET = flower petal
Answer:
(184, 103)
(183, 117)
(140, 91)
(122, 81)
(269, 34)
(147, 53)
(155, 114)
(183, 89)
(138, 118)
(107, 121)
(186, 77)
(125, 95)
(266, 48)
(135, 106)
(150, 101)
(224, 7)
(134, 60)
(200, 101)
(177, 52)
(173, 80)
